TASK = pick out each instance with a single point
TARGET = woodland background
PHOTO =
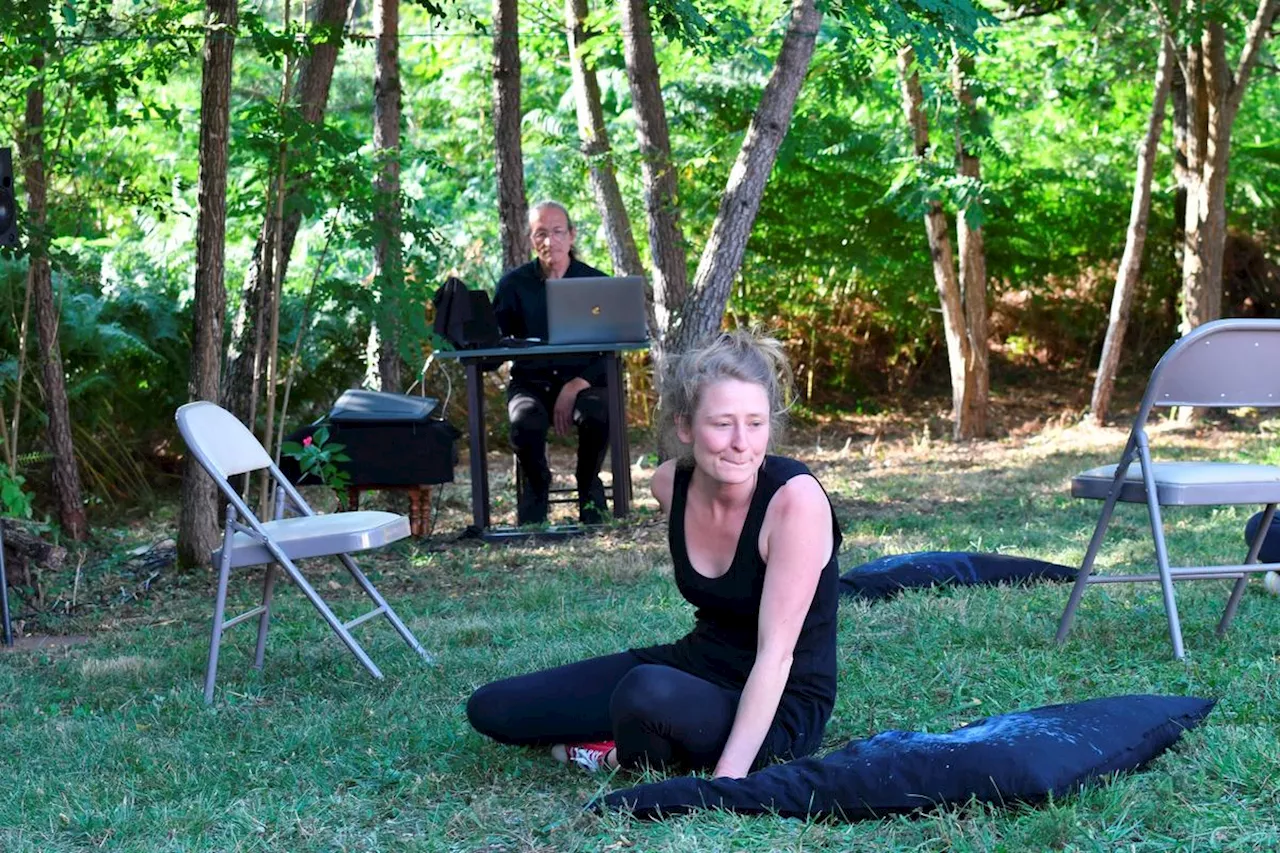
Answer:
(108, 288)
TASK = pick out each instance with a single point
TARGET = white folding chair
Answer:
(1222, 364)
(224, 447)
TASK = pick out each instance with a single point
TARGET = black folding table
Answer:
(477, 361)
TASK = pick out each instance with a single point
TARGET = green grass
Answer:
(107, 744)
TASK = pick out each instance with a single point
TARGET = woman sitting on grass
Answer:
(753, 540)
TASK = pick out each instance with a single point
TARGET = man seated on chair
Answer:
(565, 392)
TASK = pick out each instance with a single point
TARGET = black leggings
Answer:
(657, 714)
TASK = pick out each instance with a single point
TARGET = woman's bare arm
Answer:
(663, 484)
(796, 541)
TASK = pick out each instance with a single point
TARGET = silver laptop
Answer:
(596, 310)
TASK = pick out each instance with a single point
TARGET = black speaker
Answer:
(8, 203)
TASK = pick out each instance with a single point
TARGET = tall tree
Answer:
(1181, 123)
(727, 242)
(513, 207)
(599, 155)
(66, 472)
(198, 522)
(970, 243)
(687, 315)
(1135, 237)
(658, 171)
(388, 262)
(968, 411)
(1214, 95)
(310, 98)
(595, 145)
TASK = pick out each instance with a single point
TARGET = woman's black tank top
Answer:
(722, 645)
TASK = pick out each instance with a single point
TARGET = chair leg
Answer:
(268, 587)
(319, 603)
(1095, 543)
(1233, 603)
(1166, 587)
(387, 610)
(1162, 554)
(1237, 590)
(219, 605)
(1086, 569)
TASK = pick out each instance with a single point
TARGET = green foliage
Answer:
(931, 27)
(15, 500)
(711, 29)
(125, 354)
(103, 68)
(837, 262)
(319, 457)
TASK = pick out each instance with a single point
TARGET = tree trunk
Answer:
(973, 258)
(1178, 95)
(722, 256)
(198, 521)
(513, 207)
(599, 156)
(596, 148)
(1197, 142)
(1201, 289)
(1217, 97)
(1135, 238)
(388, 267)
(311, 96)
(944, 270)
(661, 198)
(66, 472)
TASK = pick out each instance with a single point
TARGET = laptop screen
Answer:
(596, 310)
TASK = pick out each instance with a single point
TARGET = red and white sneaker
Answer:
(589, 756)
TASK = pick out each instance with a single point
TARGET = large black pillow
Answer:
(1270, 552)
(1020, 757)
(888, 576)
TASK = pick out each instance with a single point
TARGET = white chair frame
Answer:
(224, 448)
(1222, 364)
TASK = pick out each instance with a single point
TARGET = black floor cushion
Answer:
(1021, 757)
(1270, 552)
(888, 576)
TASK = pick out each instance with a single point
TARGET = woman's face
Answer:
(729, 430)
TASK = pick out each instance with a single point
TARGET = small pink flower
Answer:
(306, 442)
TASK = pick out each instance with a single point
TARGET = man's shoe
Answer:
(531, 507)
(593, 507)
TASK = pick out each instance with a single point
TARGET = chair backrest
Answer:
(222, 445)
(1223, 363)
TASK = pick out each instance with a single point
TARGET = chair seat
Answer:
(319, 536)
(1186, 483)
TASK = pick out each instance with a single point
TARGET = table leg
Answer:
(4, 595)
(479, 463)
(619, 453)
(419, 508)
(425, 516)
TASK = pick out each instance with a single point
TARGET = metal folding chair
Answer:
(224, 447)
(1222, 364)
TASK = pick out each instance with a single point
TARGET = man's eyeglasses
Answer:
(558, 233)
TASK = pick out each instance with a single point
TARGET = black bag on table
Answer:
(465, 317)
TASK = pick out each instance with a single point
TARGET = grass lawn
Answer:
(107, 744)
